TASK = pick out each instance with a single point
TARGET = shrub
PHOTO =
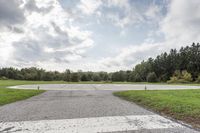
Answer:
(151, 77)
(186, 76)
(180, 77)
(137, 78)
(177, 74)
(198, 79)
(3, 78)
(173, 79)
(75, 77)
(164, 77)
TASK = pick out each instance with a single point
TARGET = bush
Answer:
(137, 78)
(177, 74)
(173, 79)
(151, 77)
(186, 76)
(180, 77)
(164, 77)
(3, 78)
(75, 77)
(198, 79)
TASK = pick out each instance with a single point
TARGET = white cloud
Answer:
(118, 3)
(153, 12)
(131, 55)
(124, 21)
(48, 34)
(180, 27)
(126, 15)
(43, 34)
(130, 14)
(89, 6)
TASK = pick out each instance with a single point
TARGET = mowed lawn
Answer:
(12, 95)
(179, 104)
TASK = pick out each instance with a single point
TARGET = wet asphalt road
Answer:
(57, 104)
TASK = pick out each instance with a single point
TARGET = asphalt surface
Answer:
(69, 104)
(90, 102)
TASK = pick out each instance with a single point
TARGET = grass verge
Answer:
(22, 82)
(182, 105)
(12, 95)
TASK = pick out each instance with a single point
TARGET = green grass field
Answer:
(179, 104)
(12, 95)
(22, 82)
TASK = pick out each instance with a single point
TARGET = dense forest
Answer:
(176, 66)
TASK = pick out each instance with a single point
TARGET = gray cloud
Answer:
(27, 50)
(10, 13)
(15, 29)
(58, 47)
(38, 33)
(31, 6)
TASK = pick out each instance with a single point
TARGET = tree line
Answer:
(177, 64)
(181, 65)
(37, 74)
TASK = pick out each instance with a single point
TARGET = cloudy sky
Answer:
(96, 35)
